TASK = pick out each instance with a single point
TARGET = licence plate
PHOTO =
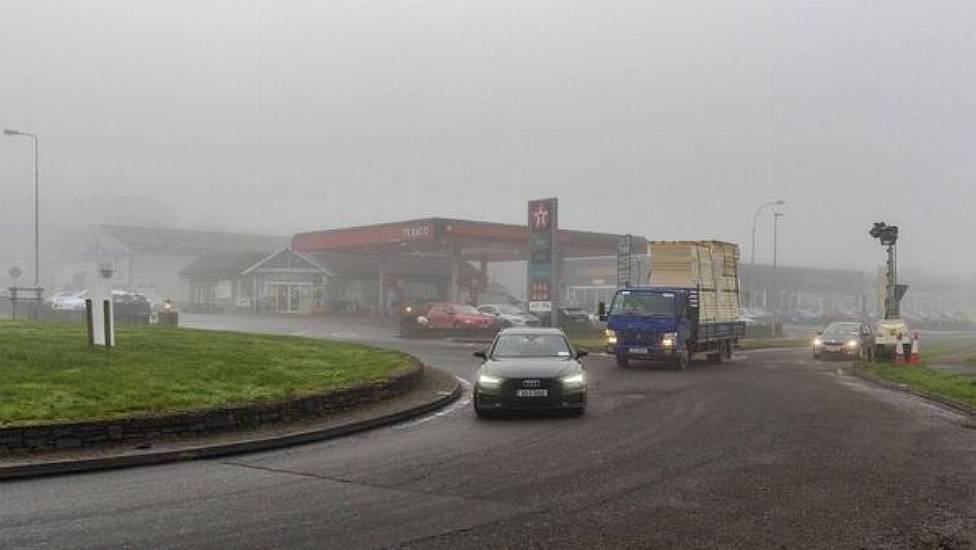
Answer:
(832, 348)
(532, 393)
(638, 350)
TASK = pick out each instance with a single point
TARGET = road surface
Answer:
(772, 450)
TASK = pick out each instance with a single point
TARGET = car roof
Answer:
(532, 330)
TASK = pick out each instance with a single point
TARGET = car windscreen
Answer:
(642, 303)
(510, 310)
(531, 345)
(841, 331)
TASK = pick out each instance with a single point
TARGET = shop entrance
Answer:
(291, 297)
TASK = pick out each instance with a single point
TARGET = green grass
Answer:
(955, 350)
(48, 373)
(919, 377)
(590, 342)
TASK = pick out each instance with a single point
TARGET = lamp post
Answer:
(777, 303)
(37, 261)
(755, 218)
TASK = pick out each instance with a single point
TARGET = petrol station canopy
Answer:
(447, 237)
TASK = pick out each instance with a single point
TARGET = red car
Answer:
(460, 317)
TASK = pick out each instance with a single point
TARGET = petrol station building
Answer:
(379, 266)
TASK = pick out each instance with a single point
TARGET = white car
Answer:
(69, 301)
(509, 315)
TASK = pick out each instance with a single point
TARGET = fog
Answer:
(665, 119)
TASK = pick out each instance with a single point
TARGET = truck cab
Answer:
(664, 325)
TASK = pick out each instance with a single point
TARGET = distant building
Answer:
(150, 259)
(284, 281)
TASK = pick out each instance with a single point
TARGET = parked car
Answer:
(843, 340)
(131, 307)
(509, 316)
(530, 369)
(69, 300)
(575, 319)
(443, 316)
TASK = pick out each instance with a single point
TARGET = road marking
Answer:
(459, 404)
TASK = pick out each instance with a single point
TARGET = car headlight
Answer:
(668, 339)
(574, 381)
(611, 336)
(489, 381)
(852, 344)
(817, 342)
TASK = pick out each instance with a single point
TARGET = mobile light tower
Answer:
(888, 235)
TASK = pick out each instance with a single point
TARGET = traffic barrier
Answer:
(899, 351)
(915, 357)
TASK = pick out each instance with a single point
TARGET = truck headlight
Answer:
(668, 339)
(574, 381)
(611, 336)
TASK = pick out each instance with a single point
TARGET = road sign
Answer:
(543, 265)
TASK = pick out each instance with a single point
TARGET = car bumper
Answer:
(505, 398)
(643, 353)
(844, 352)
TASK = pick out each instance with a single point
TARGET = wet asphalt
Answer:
(773, 450)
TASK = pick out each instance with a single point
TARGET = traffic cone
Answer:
(899, 352)
(915, 358)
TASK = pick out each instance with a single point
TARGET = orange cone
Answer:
(899, 352)
(915, 358)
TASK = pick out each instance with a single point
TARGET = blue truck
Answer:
(689, 308)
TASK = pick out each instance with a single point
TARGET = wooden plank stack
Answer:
(710, 266)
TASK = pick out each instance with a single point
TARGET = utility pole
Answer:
(752, 261)
(37, 247)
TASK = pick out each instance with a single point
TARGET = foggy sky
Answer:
(665, 119)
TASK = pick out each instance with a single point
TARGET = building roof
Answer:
(447, 236)
(187, 242)
(222, 265)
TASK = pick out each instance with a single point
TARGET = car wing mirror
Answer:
(601, 311)
(481, 353)
(580, 353)
(819, 332)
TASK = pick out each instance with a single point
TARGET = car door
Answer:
(441, 317)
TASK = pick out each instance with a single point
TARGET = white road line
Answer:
(459, 404)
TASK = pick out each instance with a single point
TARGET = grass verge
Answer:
(589, 342)
(923, 378)
(48, 373)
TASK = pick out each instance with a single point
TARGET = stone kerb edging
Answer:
(137, 429)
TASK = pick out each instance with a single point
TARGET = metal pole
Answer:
(775, 284)
(37, 248)
(755, 218)
(37, 223)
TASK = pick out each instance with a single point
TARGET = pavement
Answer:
(773, 450)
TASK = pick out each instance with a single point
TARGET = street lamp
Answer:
(37, 261)
(752, 262)
(776, 295)
(755, 218)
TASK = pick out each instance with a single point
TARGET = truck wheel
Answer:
(716, 358)
(728, 349)
(622, 361)
(683, 360)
